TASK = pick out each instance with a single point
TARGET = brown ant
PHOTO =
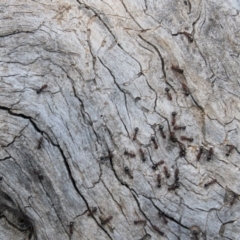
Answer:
(189, 36)
(135, 133)
(154, 166)
(231, 147)
(184, 138)
(233, 199)
(161, 131)
(41, 88)
(168, 94)
(173, 137)
(153, 139)
(128, 172)
(199, 153)
(179, 127)
(71, 224)
(140, 221)
(177, 69)
(130, 154)
(185, 89)
(182, 152)
(167, 174)
(159, 180)
(105, 221)
(176, 179)
(174, 118)
(40, 141)
(142, 153)
(110, 155)
(210, 183)
(210, 153)
(176, 175)
(92, 211)
(174, 186)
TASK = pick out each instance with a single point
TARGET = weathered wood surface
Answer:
(106, 65)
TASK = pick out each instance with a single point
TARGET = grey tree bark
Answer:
(119, 119)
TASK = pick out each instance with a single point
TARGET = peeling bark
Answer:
(119, 119)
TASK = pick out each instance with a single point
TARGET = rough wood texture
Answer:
(78, 78)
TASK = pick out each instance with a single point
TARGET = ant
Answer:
(92, 211)
(154, 167)
(234, 196)
(185, 89)
(159, 180)
(176, 175)
(231, 147)
(182, 152)
(184, 138)
(140, 221)
(177, 69)
(128, 172)
(110, 155)
(174, 118)
(174, 186)
(130, 154)
(173, 137)
(135, 133)
(154, 142)
(199, 153)
(179, 127)
(210, 153)
(168, 94)
(71, 224)
(161, 130)
(189, 36)
(41, 88)
(40, 141)
(142, 153)
(167, 174)
(210, 183)
(105, 221)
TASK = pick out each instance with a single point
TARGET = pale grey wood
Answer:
(106, 65)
